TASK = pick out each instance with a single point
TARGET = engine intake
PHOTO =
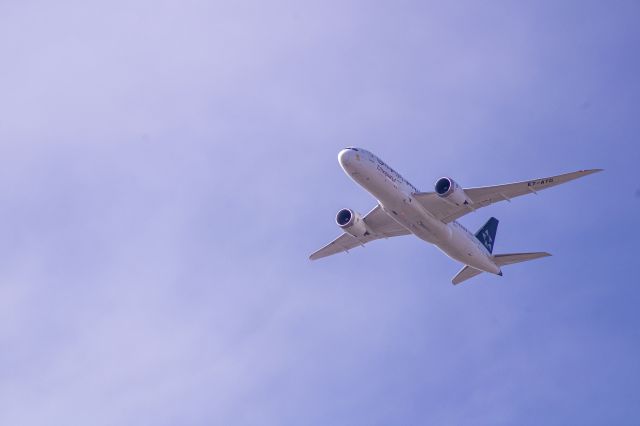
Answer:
(450, 191)
(352, 223)
(444, 186)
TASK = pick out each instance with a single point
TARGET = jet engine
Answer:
(352, 223)
(451, 192)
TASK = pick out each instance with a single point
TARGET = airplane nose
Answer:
(344, 157)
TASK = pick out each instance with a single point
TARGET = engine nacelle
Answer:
(352, 223)
(453, 193)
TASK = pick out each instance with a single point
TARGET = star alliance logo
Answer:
(488, 241)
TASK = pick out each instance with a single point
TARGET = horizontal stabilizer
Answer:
(501, 260)
(464, 274)
(508, 259)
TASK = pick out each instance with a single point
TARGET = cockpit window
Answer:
(350, 147)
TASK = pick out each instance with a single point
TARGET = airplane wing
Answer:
(381, 226)
(486, 195)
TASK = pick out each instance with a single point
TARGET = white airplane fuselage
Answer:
(395, 196)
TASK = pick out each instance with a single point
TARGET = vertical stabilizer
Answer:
(487, 234)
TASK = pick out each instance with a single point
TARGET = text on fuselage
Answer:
(392, 175)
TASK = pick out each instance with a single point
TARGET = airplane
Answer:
(431, 216)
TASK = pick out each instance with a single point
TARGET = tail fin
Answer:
(487, 234)
(508, 259)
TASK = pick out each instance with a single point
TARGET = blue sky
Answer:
(166, 168)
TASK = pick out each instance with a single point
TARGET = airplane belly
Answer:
(401, 206)
(384, 190)
(412, 216)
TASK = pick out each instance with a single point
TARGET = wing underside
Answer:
(486, 195)
(380, 224)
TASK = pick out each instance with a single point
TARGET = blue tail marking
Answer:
(487, 234)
